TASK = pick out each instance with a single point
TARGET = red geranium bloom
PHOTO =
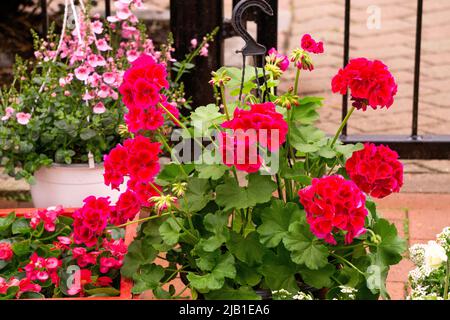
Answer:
(370, 83)
(310, 45)
(138, 119)
(333, 204)
(143, 191)
(126, 208)
(90, 220)
(376, 170)
(268, 124)
(240, 150)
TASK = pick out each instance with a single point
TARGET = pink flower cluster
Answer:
(47, 217)
(370, 83)
(376, 170)
(22, 118)
(278, 59)
(43, 269)
(6, 252)
(334, 205)
(25, 285)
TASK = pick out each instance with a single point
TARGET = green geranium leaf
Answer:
(139, 253)
(205, 117)
(279, 271)
(307, 139)
(259, 190)
(246, 275)
(318, 278)
(214, 280)
(87, 133)
(148, 278)
(172, 172)
(243, 293)
(305, 248)
(170, 230)
(276, 220)
(306, 113)
(391, 247)
(7, 221)
(197, 195)
(248, 250)
(211, 171)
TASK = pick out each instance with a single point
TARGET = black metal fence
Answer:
(195, 18)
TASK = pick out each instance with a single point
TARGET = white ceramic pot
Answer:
(69, 185)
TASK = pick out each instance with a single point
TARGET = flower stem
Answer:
(156, 189)
(297, 78)
(280, 192)
(447, 276)
(224, 101)
(341, 127)
(347, 262)
(138, 221)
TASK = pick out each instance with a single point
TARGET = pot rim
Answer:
(73, 165)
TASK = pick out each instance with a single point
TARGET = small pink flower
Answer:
(102, 45)
(62, 82)
(67, 93)
(109, 77)
(8, 113)
(97, 27)
(132, 55)
(99, 108)
(88, 96)
(194, 43)
(82, 73)
(53, 95)
(51, 263)
(65, 240)
(23, 118)
(204, 50)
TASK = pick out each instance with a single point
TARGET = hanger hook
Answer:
(251, 48)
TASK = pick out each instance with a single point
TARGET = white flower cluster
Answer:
(427, 279)
(443, 239)
(283, 294)
(348, 293)
(303, 296)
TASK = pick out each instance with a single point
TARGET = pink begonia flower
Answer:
(194, 43)
(94, 80)
(88, 96)
(8, 113)
(109, 77)
(23, 118)
(99, 108)
(104, 91)
(102, 45)
(82, 73)
(62, 82)
(97, 27)
(112, 19)
(122, 10)
(132, 55)
(67, 93)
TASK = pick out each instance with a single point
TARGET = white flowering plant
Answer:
(430, 279)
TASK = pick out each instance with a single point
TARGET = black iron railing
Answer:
(195, 18)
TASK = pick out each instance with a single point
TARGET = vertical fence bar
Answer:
(267, 32)
(194, 19)
(415, 116)
(346, 59)
(44, 16)
(107, 8)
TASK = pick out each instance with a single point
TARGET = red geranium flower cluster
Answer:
(6, 252)
(333, 204)
(240, 150)
(137, 158)
(141, 93)
(91, 220)
(47, 216)
(261, 125)
(43, 269)
(376, 170)
(270, 127)
(311, 45)
(370, 83)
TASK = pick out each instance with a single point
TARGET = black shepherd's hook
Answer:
(251, 48)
